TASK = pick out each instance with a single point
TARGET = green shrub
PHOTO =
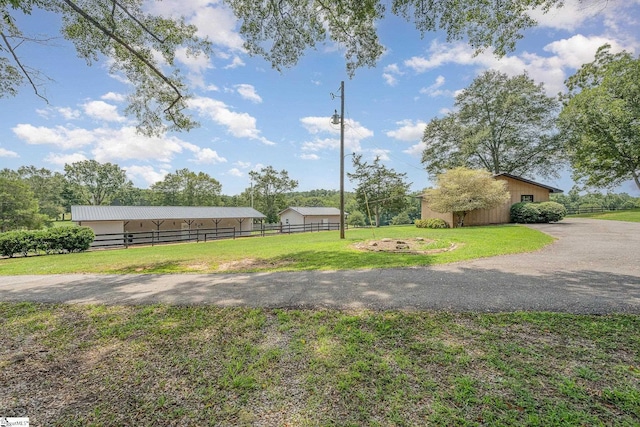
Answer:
(431, 223)
(525, 213)
(530, 213)
(59, 239)
(552, 211)
(11, 243)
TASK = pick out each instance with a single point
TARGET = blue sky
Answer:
(253, 116)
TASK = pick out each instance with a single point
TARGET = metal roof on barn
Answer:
(313, 211)
(126, 213)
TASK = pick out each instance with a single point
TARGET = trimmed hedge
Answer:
(54, 240)
(431, 223)
(529, 213)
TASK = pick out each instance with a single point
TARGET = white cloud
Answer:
(126, 144)
(235, 172)
(146, 173)
(389, 79)
(416, 150)
(68, 113)
(102, 111)
(572, 14)
(578, 50)
(7, 153)
(434, 89)
(59, 136)
(235, 63)
(108, 144)
(196, 64)
(112, 96)
(217, 23)
(240, 125)
(390, 73)
(63, 159)
(213, 19)
(249, 93)
(310, 157)
(354, 132)
(408, 130)
(567, 55)
(208, 156)
(243, 165)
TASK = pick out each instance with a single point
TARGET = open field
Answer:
(160, 365)
(630, 215)
(295, 252)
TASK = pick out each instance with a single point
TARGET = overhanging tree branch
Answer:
(131, 50)
(22, 67)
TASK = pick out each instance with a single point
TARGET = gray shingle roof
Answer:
(124, 213)
(317, 211)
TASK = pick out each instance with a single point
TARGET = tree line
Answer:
(32, 197)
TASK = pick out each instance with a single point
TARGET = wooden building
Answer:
(520, 189)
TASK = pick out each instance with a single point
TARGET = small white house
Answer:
(309, 215)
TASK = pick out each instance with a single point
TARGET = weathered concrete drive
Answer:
(593, 267)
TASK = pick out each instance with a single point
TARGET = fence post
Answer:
(234, 232)
(126, 242)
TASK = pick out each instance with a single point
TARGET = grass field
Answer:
(308, 251)
(630, 215)
(158, 365)
(90, 365)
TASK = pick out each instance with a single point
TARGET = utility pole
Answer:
(334, 120)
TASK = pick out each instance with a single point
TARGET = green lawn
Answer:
(84, 365)
(630, 215)
(307, 251)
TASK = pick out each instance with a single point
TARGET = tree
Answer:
(356, 219)
(138, 45)
(187, 188)
(379, 189)
(282, 31)
(47, 187)
(601, 119)
(96, 183)
(502, 124)
(18, 206)
(268, 189)
(463, 190)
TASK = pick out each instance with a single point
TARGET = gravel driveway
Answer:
(593, 267)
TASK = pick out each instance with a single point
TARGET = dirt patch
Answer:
(252, 264)
(417, 245)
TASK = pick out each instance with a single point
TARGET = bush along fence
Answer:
(50, 241)
(155, 237)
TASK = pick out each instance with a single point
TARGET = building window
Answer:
(526, 198)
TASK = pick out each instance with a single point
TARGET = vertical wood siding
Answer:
(499, 215)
